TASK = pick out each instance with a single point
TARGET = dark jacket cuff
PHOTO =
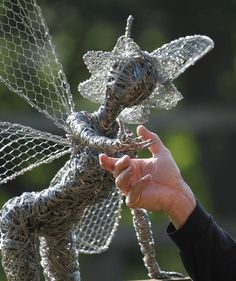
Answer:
(193, 229)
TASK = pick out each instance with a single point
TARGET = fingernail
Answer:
(100, 162)
(102, 165)
(101, 154)
(129, 169)
(147, 177)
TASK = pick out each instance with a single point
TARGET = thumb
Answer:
(145, 134)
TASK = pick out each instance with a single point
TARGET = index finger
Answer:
(107, 162)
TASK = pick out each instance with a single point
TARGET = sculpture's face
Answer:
(132, 80)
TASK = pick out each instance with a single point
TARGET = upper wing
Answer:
(137, 114)
(99, 223)
(176, 56)
(28, 62)
(164, 96)
(23, 148)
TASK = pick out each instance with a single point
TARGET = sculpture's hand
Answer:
(126, 142)
(132, 144)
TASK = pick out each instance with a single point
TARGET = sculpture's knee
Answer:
(17, 220)
(59, 258)
(18, 245)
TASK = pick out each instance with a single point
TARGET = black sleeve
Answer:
(207, 251)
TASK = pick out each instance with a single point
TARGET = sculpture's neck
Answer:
(108, 112)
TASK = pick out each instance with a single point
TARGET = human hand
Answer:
(154, 183)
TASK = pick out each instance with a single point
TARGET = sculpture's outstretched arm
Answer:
(84, 133)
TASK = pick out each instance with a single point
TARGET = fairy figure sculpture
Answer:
(80, 210)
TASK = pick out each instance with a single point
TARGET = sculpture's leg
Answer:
(60, 257)
(144, 234)
(145, 238)
(18, 247)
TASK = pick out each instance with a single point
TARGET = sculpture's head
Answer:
(132, 79)
(137, 80)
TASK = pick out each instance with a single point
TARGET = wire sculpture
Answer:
(80, 210)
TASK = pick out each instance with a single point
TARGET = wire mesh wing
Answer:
(99, 223)
(175, 57)
(135, 114)
(28, 62)
(23, 148)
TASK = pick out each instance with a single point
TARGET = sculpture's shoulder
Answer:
(82, 119)
(77, 116)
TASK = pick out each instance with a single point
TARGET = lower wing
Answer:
(99, 224)
(23, 148)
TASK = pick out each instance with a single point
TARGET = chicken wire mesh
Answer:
(28, 62)
(23, 148)
(105, 215)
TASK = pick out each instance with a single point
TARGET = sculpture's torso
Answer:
(55, 212)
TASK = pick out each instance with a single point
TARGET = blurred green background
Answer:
(200, 131)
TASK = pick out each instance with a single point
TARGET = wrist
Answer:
(181, 205)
